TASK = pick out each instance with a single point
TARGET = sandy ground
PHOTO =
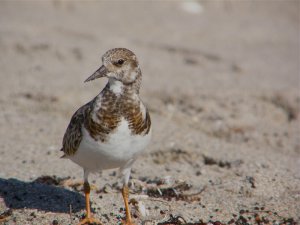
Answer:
(221, 80)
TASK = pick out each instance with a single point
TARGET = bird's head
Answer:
(118, 64)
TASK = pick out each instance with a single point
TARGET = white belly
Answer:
(119, 149)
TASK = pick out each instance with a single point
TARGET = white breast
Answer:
(120, 148)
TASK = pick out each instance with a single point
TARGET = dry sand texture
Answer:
(221, 79)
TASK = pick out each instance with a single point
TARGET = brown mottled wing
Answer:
(73, 134)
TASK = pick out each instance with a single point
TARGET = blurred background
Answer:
(221, 80)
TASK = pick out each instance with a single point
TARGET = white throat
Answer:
(115, 86)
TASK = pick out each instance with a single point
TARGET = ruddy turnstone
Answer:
(112, 129)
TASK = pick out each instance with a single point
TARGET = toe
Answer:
(86, 221)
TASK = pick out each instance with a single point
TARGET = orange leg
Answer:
(125, 194)
(88, 219)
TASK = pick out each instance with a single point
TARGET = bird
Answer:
(112, 129)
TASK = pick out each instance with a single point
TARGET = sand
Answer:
(221, 80)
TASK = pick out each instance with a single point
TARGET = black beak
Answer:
(101, 72)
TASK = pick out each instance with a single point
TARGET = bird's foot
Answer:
(90, 221)
(125, 222)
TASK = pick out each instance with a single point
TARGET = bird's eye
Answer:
(120, 62)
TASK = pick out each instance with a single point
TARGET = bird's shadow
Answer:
(33, 195)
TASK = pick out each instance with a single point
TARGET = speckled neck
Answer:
(120, 88)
